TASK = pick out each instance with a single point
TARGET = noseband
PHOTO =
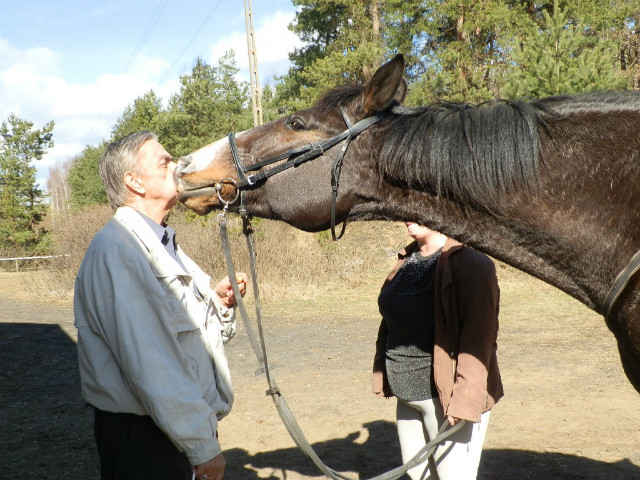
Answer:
(293, 158)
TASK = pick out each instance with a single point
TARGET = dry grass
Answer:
(299, 273)
(293, 266)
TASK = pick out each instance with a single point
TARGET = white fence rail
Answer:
(18, 259)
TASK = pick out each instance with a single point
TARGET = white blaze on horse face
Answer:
(203, 158)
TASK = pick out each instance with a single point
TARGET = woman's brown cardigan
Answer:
(465, 365)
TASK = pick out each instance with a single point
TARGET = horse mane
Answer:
(340, 95)
(477, 153)
(473, 153)
(469, 152)
(594, 102)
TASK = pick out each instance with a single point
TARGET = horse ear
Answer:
(388, 84)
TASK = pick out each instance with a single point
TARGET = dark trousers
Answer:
(132, 447)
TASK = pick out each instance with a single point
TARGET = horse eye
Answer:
(296, 123)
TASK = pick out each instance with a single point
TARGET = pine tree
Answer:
(142, 114)
(84, 177)
(22, 204)
(210, 104)
(344, 44)
(459, 51)
(561, 57)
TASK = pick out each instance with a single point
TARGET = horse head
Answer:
(301, 196)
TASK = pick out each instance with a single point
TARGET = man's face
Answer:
(157, 167)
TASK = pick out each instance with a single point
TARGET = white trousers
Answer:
(455, 459)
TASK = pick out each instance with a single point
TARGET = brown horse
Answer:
(550, 186)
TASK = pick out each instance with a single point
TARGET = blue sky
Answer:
(81, 62)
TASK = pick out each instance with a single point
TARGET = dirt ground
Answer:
(568, 413)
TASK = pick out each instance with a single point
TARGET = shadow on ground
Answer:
(46, 431)
(343, 455)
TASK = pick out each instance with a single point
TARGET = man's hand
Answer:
(211, 470)
(225, 291)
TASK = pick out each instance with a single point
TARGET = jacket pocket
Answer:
(183, 304)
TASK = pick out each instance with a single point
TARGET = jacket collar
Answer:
(162, 260)
(451, 245)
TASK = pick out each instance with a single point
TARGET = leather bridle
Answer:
(293, 158)
(620, 283)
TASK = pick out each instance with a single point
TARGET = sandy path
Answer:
(569, 412)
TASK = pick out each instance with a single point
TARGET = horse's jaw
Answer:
(200, 201)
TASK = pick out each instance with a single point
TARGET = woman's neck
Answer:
(432, 244)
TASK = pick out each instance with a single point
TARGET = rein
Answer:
(293, 158)
(259, 347)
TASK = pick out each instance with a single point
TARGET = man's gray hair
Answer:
(118, 159)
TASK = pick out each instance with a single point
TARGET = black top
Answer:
(407, 305)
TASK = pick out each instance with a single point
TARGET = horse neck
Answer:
(575, 229)
(522, 241)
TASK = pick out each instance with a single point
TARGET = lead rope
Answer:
(259, 347)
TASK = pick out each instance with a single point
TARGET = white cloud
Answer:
(13, 57)
(32, 88)
(274, 42)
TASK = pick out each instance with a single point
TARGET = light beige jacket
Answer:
(151, 334)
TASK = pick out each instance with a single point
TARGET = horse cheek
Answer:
(303, 205)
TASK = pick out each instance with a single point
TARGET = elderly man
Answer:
(151, 329)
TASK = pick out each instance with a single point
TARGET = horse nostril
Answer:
(183, 163)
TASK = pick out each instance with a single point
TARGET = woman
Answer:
(436, 350)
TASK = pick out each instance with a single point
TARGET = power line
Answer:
(145, 35)
(191, 40)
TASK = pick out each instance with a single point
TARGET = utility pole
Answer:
(256, 93)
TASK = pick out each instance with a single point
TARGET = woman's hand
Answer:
(452, 420)
(377, 384)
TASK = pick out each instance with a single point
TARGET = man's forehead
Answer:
(155, 148)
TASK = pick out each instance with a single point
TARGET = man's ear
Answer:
(133, 182)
